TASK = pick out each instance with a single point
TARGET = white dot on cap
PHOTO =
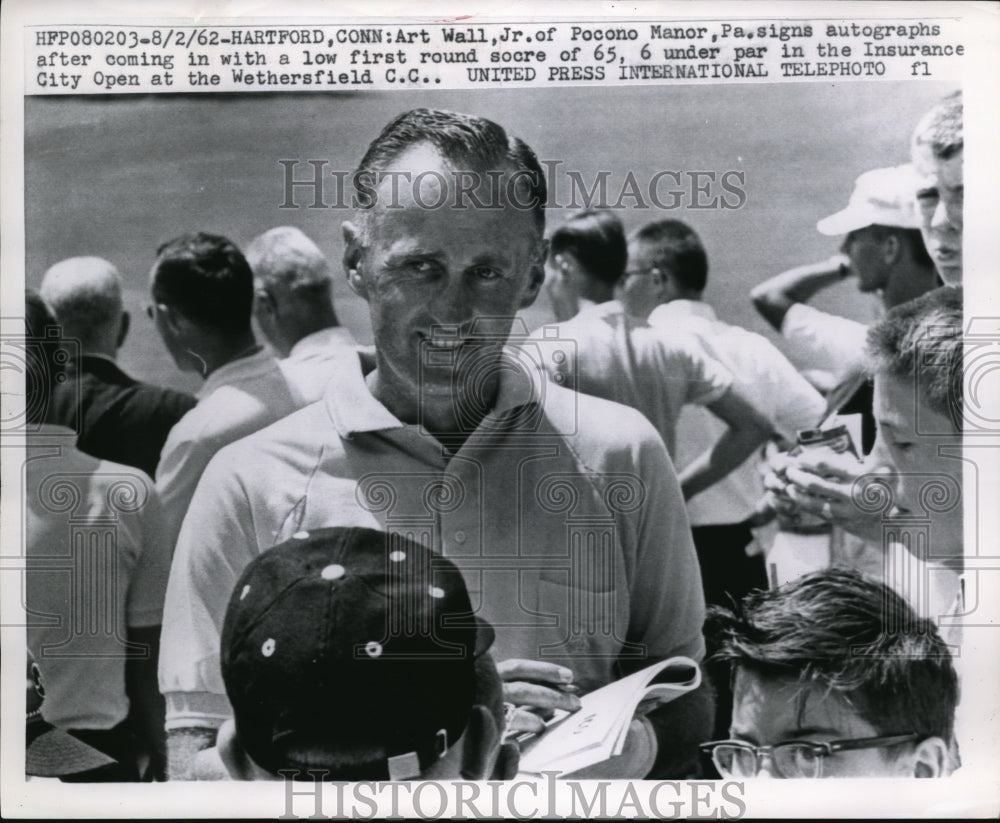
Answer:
(300, 535)
(268, 648)
(373, 649)
(397, 557)
(245, 592)
(332, 572)
(436, 592)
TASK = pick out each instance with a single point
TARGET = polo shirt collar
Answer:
(353, 409)
(678, 309)
(320, 341)
(255, 362)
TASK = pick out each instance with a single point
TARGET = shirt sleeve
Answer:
(824, 347)
(795, 404)
(149, 578)
(215, 544)
(667, 602)
(707, 379)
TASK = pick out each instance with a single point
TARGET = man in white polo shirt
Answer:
(293, 304)
(882, 247)
(562, 511)
(202, 291)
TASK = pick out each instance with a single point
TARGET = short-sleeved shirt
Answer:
(563, 512)
(315, 359)
(766, 379)
(237, 399)
(613, 355)
(826, 348)
(116, 417)
(97, 565)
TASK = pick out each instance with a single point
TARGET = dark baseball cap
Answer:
(350, 650)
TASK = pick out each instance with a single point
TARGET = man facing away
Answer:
(116, 417)
(619, 357)
(293, 305)
(202, 291)
(97, 567)
(350, 654)
(834, 676)
(571, 534)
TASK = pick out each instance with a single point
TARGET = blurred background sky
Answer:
(117, 176)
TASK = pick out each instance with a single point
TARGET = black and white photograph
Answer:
(557, 411)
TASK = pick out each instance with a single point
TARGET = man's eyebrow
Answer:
(491, 259)
(396, 256)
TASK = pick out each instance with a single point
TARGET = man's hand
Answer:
(536, 689)
(823, 482)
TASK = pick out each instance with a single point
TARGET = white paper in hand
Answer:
(599, 729)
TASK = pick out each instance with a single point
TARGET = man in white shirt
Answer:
(617, 356)
(882, 247)
(96, 576)
(562, 511)
(720, 515)
(293, 304)
(202, 291)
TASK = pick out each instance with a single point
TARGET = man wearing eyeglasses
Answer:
(834, 676)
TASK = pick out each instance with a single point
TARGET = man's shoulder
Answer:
(595, 427)
(303, 434)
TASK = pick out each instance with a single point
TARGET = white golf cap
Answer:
(882, 197)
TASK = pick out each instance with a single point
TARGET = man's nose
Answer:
(450, 304)
(943, 217)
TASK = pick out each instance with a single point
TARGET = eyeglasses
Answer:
(792, 759)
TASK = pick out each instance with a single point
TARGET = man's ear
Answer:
(263, 302)
(352, 259)
(891, 249)
(930, 758)
(123, 326)
(479, 745)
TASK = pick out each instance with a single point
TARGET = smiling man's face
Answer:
(443, 283)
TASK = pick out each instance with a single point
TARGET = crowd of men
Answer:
(398, 562)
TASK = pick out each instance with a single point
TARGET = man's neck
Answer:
(907, 282)
(218, 352)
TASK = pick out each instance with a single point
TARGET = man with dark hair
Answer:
(936, 151)
(351, 654)
(96, 575)
(116, 417)
(882, 247)
(835, 676)
(293, 304)
(620, 358)
(202, 290)
(562, 510)
(667, 278)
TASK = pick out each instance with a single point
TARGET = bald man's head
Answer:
(85, 295)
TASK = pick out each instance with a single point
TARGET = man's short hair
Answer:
(43, 362)
(852, 636)
(941, 128)
(911, 239)
(470, 144)
(596, 239)
(285, 257)
(85, 293)
(678, 250)
(921, 340)
(207, 279)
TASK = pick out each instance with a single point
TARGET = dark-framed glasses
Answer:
(791, 759)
